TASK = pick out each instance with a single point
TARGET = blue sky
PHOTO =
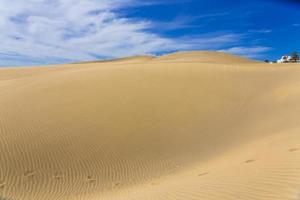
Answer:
(38, 32)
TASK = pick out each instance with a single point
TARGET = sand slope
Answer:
(204, 57)
(151, 130)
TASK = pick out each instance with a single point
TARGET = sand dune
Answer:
(204, 57)
(132, 59)
(184, 126)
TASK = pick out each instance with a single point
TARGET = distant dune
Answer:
(126, 59)
(205, 57)
(191, 56)
(185, 126)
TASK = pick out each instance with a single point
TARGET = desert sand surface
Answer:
(186, 126)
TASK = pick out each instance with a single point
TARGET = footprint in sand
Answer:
(117, 184)
(90, 179)
(293, 149)
(2, 185)
(29, 174)
(58, 176)
(250, 161)
(203, 174)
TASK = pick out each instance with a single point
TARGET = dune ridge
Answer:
(183, 57)
(175, 127)
(205, 57)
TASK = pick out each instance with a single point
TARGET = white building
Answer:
(289, 59)
(285, 59)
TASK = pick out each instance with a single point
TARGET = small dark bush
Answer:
(294, 56)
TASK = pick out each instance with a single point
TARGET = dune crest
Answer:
(174, 127)
(205, 57)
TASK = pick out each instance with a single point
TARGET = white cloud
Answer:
(251, 52)
(54, 31)
(261, 31)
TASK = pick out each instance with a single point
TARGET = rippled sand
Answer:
(199, 125)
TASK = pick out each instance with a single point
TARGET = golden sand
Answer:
(187, 126)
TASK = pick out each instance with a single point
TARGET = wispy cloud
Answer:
(185, 21)
(260, 31)
(179, 22)
(54, 31)
(251, 52)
